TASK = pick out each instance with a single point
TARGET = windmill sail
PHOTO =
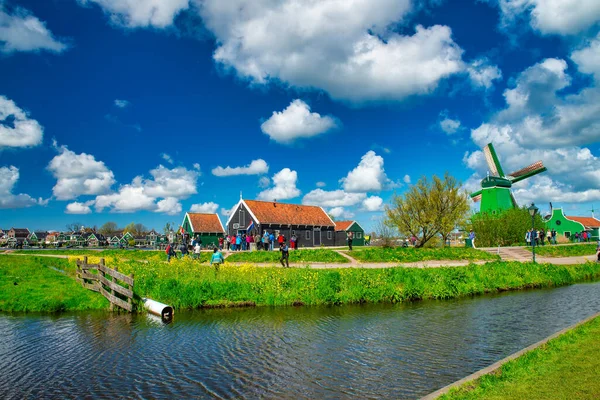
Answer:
(514, 201)
(527, 172)
(492, 161)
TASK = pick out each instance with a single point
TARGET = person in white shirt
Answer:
(197, 251)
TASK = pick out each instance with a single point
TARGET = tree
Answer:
(74, 226)
(169, 227)
(504, 229)
(384, 234)
(140, 229)
(429, 208)
(108, 228)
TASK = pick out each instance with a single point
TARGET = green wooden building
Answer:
(342, 228)
(567, 226)
(207, 227)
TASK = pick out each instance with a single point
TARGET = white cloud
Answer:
(284, 186)
(321, 184)
(373, 203)
(78, 174)
(450, 126)
(206, 208)
(588, 58)
(406, 179)
(17, 129)
(227, 212)
(348, 49)
(22, 31)
(169, 206)
(264, 182)
(256, 167)
(196, 166)
(541, 123)
(141, 13)
(79, 208)
(482, 74)
(334, 198)
(368, 176)
(122, 103)
(169, 185)
(564, 17)
(336, 212)
(295, 122)
(8, 179)
(167, 158)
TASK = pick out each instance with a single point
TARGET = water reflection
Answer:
(367, 351)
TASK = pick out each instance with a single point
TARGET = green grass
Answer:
(148, 255)
(296, 256)
(412, 254)
(185, 284)
(566, 367)
(572, 250)
(30, 284)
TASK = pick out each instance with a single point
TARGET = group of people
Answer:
(582, 236)
(267, 241)
(538, 238)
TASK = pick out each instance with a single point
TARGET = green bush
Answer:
(505, 229)
(412, 254)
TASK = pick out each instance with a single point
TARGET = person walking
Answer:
(197, 249)
(349, 237)
(280, 239)
(472, 238)
(553, 234)
(542, 237)
(228, 242)
(170, 250)
(238, 242)
(528, 237)
(217, 259)
(272, 241)
(265, 240)
(221, 241)
(183, 249)
(293, 242)
(285, 254)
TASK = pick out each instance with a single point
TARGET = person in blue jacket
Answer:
(217, 259)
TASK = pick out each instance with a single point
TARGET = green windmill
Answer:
(495, 194)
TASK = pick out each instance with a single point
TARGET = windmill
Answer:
(495, 194)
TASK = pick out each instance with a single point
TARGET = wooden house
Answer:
(567, 226)
(37, 238)
(206, 227)
(343, 228)
(18, 236)
(311, 224)
(95, 239)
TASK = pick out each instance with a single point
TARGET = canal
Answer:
(356, 351)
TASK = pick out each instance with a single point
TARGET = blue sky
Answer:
(114, 110)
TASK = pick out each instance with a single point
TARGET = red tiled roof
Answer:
(268, 212)
(588, 222)
(343, 225)
(208, 223)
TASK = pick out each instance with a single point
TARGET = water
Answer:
(369, 351)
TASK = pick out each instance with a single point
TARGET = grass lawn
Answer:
(412, 254)
(31, 284)
(296, 256)
(567, 367)
(566, 250)
(133, 254)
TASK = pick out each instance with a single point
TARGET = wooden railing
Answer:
(120, 295)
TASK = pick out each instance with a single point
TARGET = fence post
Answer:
(111, 308)
(129, 299)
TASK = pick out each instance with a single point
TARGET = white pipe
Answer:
(162, 310)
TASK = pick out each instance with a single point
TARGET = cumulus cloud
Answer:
(539, 122)
(372, 203)
(295, 122)
(340, 212)
(161, 193)
(122, 103)
(348, 49)
(264, 182)
(284, 186)
(256, 167)
(334, 198)
(9, 177)
(482, 74)
(368, 176)
(16, 128)
(23, 31)
(79, 208)
(450, 126)
(141, 13)
(563, 17)
(406, 179)
(79, 174)
(206, 208)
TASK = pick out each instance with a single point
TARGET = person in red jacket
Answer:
(280, 239)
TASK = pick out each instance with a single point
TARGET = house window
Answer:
(329, 235)
(293, 233)
(358, 235)
(307, 235)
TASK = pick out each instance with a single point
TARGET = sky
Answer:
(142, 110)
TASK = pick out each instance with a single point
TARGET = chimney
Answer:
(274, 202)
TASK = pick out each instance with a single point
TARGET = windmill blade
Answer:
(492, 160)
(514, 201)
(476, 196)
(527, 172)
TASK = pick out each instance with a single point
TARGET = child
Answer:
(217, 259)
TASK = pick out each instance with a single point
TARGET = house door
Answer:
(317, 236)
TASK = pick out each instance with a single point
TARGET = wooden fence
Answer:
(120, 295)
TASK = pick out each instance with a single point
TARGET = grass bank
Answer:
(412, 254)
(188, 284)
(566, 367)
(43, 284)
(134, 254)
(571, 250)
(296, 256)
